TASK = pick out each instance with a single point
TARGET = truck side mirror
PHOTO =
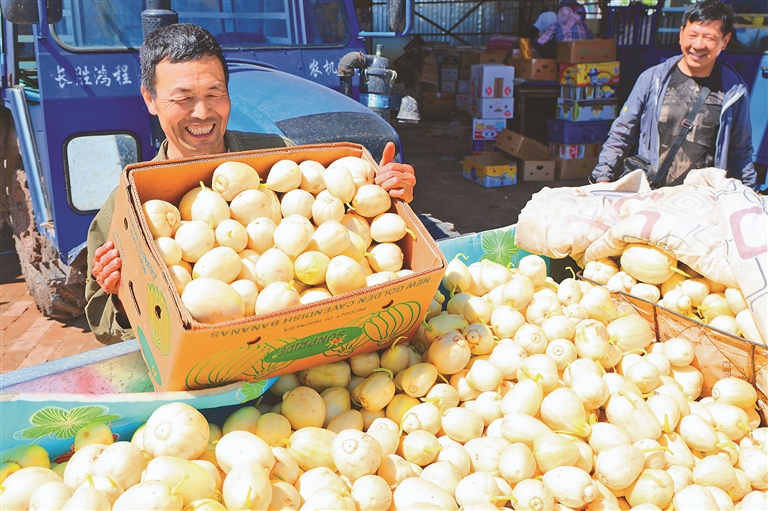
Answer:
(25, 12)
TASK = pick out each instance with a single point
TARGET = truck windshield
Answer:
(116, 24)
(750, 27)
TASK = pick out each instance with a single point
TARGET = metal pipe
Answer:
(30, 156)
(406, 30)
(351, 61)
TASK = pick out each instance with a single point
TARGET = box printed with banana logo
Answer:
(183, 354)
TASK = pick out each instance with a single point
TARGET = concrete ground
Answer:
(435, 148)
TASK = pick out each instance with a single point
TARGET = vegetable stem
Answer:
(176, 488)
(626, 396)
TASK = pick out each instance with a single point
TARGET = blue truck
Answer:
(72, 115)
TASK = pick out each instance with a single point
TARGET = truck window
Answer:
(750, 28)
(93, 166)
(116, 25)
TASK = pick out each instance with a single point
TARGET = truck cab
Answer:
(72, 115)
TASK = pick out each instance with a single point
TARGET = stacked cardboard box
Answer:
(468, 56)
(588, 74)
(438, 80)
(490, 91)
(490, 103)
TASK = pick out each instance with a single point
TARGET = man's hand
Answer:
(397, 178)
(106, 267)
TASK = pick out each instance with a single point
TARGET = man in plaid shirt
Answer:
(568, 27)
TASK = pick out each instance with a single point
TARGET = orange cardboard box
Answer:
(579, 168)
(587, 50)
(183, 354)
(544, 70)
(491, 58)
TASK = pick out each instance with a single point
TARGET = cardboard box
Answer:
(491, 81)
(487, 129)
(462, 87)
(575, 151)
(450, 74)
(447, 86)
(468, 58)
(437, 101)
(462, 102)
(566, 132)
(184, 354)
(491, 58)
(588, 92)
(489, 170)
(484, 146)
(540, 70)
(491, 108)
(579, 168)
(536, 170)
(580, 111)
(587, 50)
(521, 147)
(465, 73)
(592, 73)
(429, 74)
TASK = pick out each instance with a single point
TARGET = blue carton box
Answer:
(567, 132)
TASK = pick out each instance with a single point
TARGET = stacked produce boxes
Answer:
(588, 75)
(438, 82)
(468, 56)
(490, 105)
(490, 91)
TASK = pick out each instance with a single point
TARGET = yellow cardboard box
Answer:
(589, 74)
(490, 170)
(183, 354)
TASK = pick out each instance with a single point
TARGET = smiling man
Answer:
(184, 80)
(663, 97)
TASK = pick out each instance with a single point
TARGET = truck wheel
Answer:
(58, 289)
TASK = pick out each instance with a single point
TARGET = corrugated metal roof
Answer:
(456, 22)
(473, 23)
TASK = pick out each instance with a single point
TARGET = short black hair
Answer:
(710, 11)
(180, 42)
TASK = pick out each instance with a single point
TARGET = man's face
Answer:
(701, 43)
(192, 104)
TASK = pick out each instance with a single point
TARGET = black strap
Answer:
(661, 175)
